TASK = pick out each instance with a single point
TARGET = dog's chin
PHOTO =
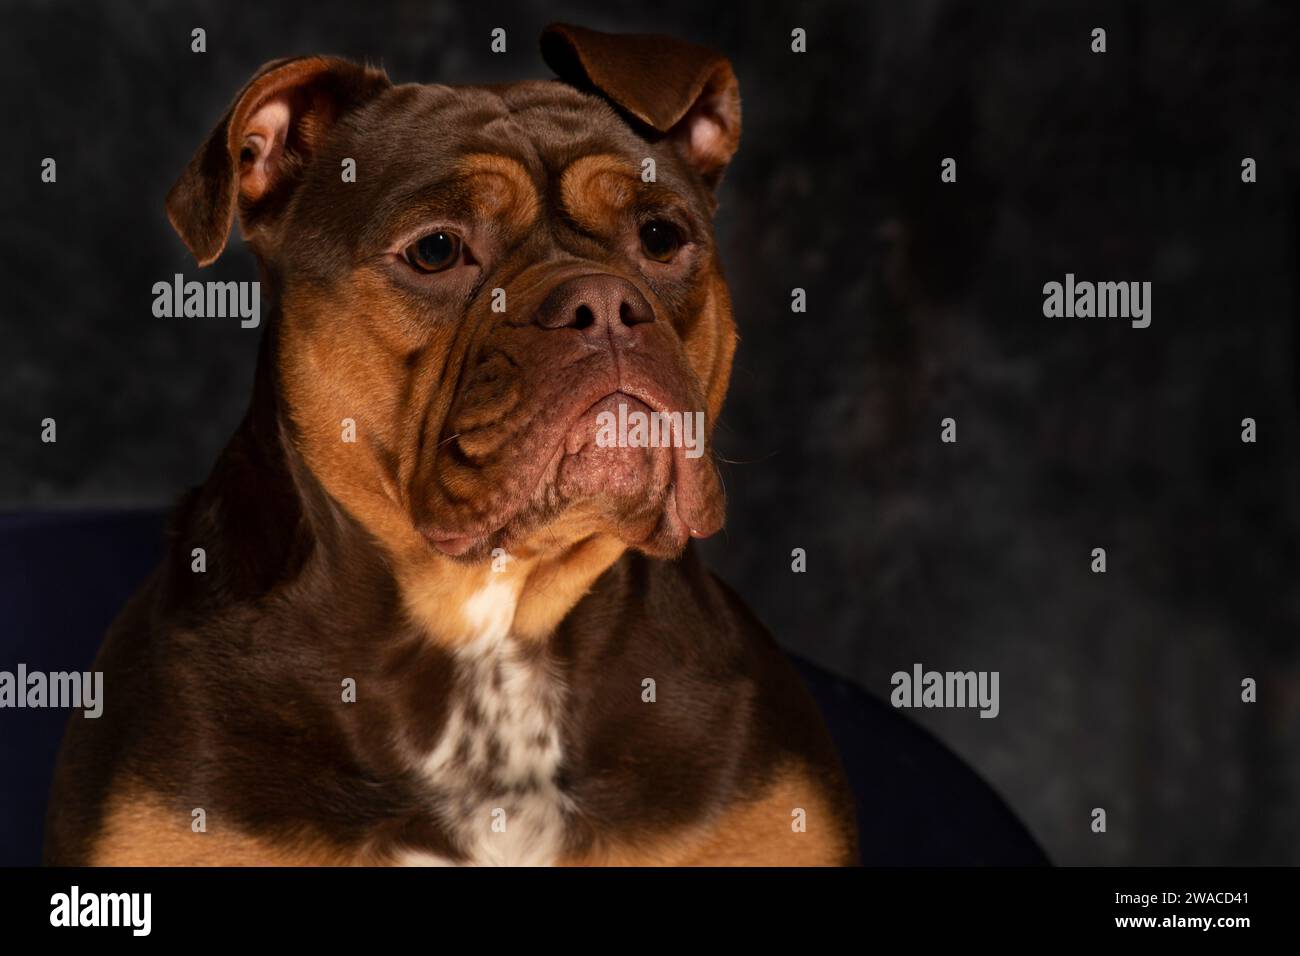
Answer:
(654, 499)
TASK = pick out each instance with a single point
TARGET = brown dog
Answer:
(477, 633)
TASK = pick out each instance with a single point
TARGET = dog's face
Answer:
(501, 269)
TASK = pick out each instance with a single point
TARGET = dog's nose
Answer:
(599, 306)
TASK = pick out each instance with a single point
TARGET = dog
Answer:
(472, 632)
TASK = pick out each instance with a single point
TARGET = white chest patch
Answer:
(494, 768)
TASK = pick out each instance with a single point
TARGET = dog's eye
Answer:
(660, 240)
(435, 252)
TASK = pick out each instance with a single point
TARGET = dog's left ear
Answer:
(680, 90)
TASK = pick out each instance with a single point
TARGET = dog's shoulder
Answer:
(695, 730)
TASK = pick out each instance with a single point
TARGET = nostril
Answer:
(583, 317)
(634, 312)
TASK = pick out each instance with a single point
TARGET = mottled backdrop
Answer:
(924, 302)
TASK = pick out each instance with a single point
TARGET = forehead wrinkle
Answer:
(551, 144)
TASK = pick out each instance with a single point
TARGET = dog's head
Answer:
(474, 275)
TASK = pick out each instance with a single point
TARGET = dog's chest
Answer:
(493, 772)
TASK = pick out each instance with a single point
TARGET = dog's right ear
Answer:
(257, 153)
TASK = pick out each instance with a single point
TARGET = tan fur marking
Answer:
(712, 343)
(502, 189)
(336, 363)
(437, 593)
(546, 586)
(754, 833)
(557, 583)
(139, 829)
(596, 189)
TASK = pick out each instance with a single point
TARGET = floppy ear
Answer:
(258, 151)
(680, 90)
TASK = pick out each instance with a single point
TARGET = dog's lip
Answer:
(619, 394)
(456, 542)
(453, 546)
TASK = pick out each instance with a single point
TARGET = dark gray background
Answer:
(1118, 690)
